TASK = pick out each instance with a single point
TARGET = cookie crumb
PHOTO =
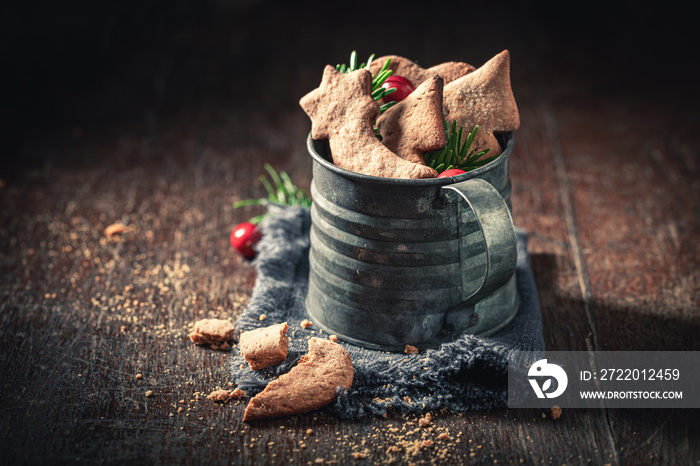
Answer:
(410, 350)
(443, 436)
(309, 431)
(149, 393)
(214, 332)
(359, 455)
(139, 376)
(306, 323)
(226, 395)
(425, 420)
(556, 412)
(262, 317)
(333, 338)
(114, 229)
(219, 395)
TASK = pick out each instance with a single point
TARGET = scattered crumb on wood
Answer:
(226, 395)
(425, 420)
(556, 412)
(115, 229)
(410, 349)
(306, 323)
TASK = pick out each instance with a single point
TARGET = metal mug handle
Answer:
(496, 224)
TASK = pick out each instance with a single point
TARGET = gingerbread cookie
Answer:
(212, 332)
(484, 98)
(342, 110)
(400, 66)
(311, 384)
(265, 346)
(415, 125)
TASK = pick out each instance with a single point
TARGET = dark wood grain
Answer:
(169, 118)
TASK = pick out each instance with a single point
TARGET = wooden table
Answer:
(160, 119)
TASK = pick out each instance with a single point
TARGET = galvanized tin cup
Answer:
(410, 262)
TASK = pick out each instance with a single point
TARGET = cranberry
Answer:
(244, 237)
(402, 85)
(451, 172)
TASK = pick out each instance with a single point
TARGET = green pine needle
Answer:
(280, 190)
(377, 91)
(458, 154)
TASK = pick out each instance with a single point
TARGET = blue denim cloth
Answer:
(469, 373)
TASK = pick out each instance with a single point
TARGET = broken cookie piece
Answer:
(212, 332)
(311, 384)
(265, 346)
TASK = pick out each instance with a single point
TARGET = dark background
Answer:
(59, 57)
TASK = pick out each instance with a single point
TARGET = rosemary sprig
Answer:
(280, 191)
(377, 90)
(457, 154)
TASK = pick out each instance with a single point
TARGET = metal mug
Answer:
(397, 262)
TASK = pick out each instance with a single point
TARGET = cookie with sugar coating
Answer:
(311, 384)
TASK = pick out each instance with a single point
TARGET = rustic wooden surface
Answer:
(160, 116)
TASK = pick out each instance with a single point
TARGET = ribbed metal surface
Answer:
(393, 261)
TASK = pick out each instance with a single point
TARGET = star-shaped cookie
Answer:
(342, 110)
(483, 98)
(448, 71)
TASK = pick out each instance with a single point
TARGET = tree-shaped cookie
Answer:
(448, 71)
(342, 110)
(415, 125)
(483, 98)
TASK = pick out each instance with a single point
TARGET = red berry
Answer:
(244, 237)
(402, 85)
(451, 172)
